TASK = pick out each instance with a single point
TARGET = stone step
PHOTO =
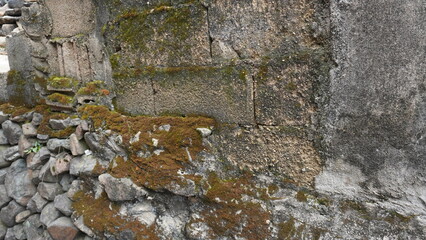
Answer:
(9, 19)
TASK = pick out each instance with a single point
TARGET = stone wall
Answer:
(318, 106)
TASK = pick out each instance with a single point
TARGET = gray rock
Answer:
(61, 164)
(8, 213)
(165, 127)
(16, 3)
(26, 117)
(3, 162)
(29, 130)
(49, 190)
(39, 158)
(45, 174)
(49, 214)
(37, 203)
(4, 198)
(58, 124)
(3, 117)
(205, 132)
(3, 138)
(3, 230)
(18, 232)
(64, 204)
(62, 229)
(10, 235)
(12, 131)
(83, 165)
(43, 138)
(37, 119)
(77, 147)
(66, 181)
(57, 145)
(93, 141)
(8, 28)
(33, 227)
(121, 189)
(79, 223)
(144, 212)
(3, 173)
(24, 144)
(22, 216)
(11, 154)
(18, 182)
(76, 186)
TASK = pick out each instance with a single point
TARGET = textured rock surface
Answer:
(375, 122)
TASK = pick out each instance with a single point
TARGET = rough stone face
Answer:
(8, 213)
(83, 165)
(93, 141)
(62, 229)
(79, 223)
(375, 118)
(33, 228)
(144, 212)
(29, 130)
(70, 18)
(63, 204)
(3, 117)
(3, 162)
(22, 216)
(3, 173)
(77, 147)
(11, 154)
(61, 164)
(37, 203)
(12, 131)
(120, 189)
(3, 230)
(18, 232)
(18, 183)
(4, 198)
(49, 214)
(45, 175)
(57, 145)
(3, 139)
(58, 124)
(49, 190)
(23, 145)
(38, 159)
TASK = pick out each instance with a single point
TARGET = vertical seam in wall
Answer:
(254, 99)
(77, 57)
(88, 61)
(208, 32)
(153, 96)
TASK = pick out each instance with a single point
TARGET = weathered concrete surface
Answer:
(376, 116)
(70, 18)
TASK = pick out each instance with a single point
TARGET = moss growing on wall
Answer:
(102, 216)
(182, 143)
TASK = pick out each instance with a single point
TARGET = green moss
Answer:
(95, 88)
(60, 98)
(156, 171)
(287, 230)
(102, 216)
(62, 82)
(301, 196)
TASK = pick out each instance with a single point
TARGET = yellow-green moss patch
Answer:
(180, 144)
(60, 98)
(101, 216)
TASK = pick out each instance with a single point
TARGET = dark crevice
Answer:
(208, 31)
(254, 99)
(153, 96)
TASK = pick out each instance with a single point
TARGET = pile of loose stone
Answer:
(10, 13)
(35, 180)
